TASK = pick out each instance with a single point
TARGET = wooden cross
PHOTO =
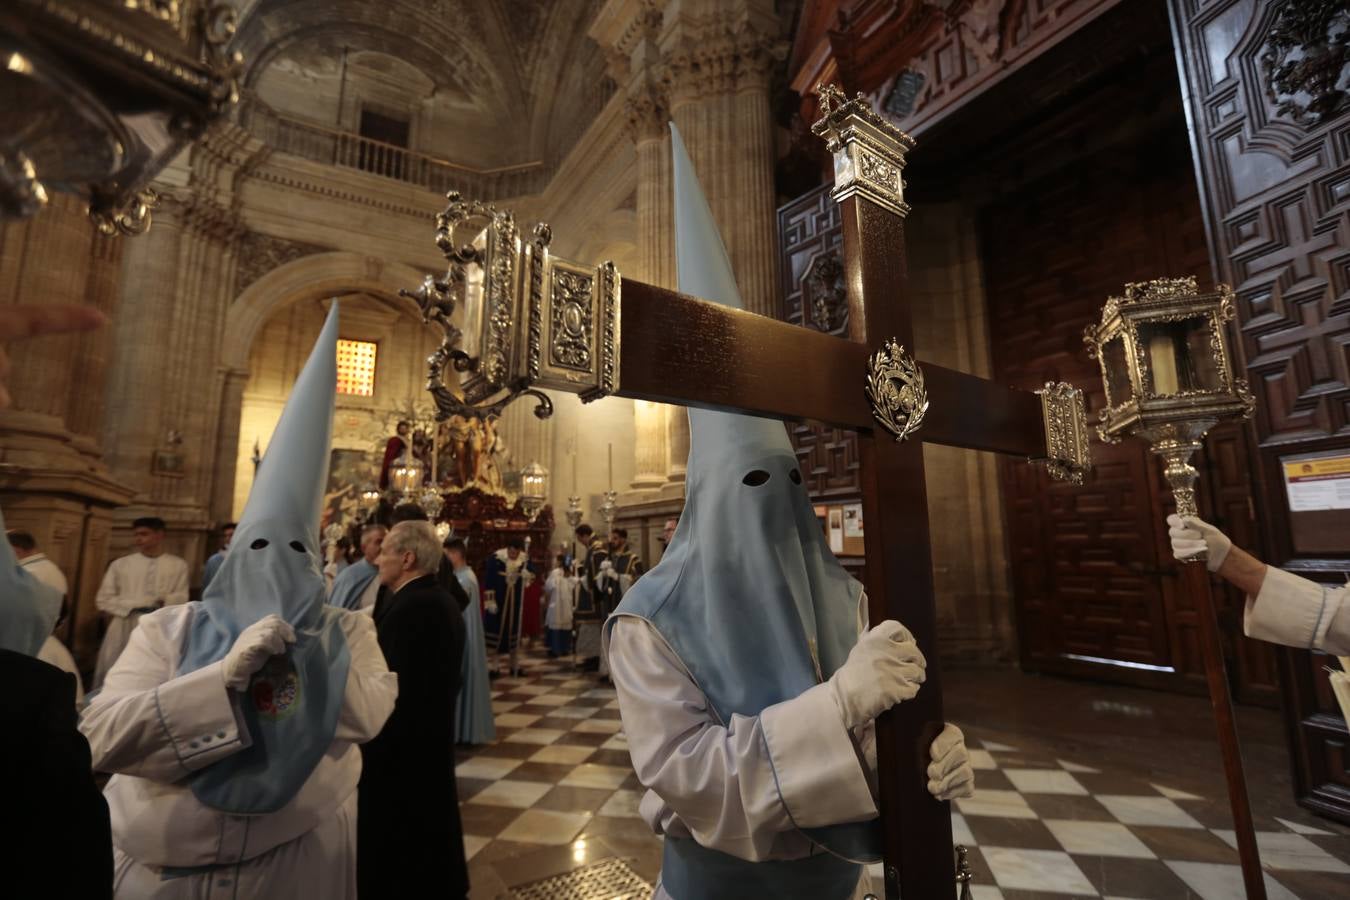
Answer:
(580, 329)
(676, 349)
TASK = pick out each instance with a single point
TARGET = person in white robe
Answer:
(137, 584)
(1282, 607)
(559, 596)
(36, 563)
(231, 725)
(357, 586)
(748, 680)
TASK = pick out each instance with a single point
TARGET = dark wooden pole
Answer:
(916, 828)
(1195, 580)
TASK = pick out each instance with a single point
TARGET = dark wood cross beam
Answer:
(559, 325)
(678, 349)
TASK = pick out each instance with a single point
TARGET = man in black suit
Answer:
(409, 839)
(61, 841)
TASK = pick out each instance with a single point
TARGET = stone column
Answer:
(52, 481)
(718, 59)
(45, 260)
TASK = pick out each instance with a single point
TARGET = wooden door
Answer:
(1096, 589)
(1270, 122)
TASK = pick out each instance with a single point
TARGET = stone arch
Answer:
(310, 277)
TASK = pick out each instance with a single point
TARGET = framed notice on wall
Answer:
(1317, 486)
(853, 530)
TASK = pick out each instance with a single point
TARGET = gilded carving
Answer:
(896, 391)
(572, 320)
(1068, 454)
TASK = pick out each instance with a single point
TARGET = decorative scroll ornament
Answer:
(130, 220)
(1068, 454)
(895, 390)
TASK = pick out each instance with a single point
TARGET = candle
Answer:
(611, 467)
(1163, 361)
(574, 468)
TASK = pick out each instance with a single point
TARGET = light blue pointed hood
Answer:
(274, 567)
(28, 608)
(748, 593)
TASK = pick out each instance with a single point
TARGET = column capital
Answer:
(706, 56)
(648, 112)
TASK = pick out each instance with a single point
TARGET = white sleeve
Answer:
(1296, 612)
(109, 598)
(371, 687)
(176, 589)
(734, 788)
(148, 722)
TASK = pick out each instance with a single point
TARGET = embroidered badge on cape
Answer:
(276, 690)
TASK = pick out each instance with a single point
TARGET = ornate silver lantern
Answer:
(531, 320)
(533, 489)
(574, 511)
(97, 97)
(1167, 372)
(431, 502)
(405, 477)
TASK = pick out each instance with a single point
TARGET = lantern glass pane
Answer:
(473, 299)
(1180, 355)
(1116, 363)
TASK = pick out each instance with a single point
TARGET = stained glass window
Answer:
(356, 368)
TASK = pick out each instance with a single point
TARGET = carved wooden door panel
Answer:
(1270, 117)
(1094, 582)
(810, 235)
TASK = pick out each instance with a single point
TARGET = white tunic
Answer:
(743, 788)
(1296, 612)
(132, 585)
(46, 571)
(54, 653)
(153, 728)
(559, 591)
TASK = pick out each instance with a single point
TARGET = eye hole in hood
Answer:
(795, 476)
(298, 547)
(755, 477)
(258, 544)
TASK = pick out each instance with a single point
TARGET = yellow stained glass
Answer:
(356, 368)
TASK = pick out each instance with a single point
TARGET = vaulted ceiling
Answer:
(523, 70)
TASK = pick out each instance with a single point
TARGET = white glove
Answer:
(884, 668)
(255, 645)
(490, 607)
(950, 775)
(1191, 536)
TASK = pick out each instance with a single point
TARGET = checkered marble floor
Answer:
(556, 792)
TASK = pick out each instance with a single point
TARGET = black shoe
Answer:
(494, 675)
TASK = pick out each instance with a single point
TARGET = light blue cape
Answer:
(273, 567)
(28, 608)
(351, 583)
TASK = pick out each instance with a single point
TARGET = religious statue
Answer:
(393, 449)
(459, 431)
(421, 450)
(489, 474)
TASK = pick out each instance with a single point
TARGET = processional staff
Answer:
(1168, 379)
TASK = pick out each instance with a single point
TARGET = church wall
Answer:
(951, 329)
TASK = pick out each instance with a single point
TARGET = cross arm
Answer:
(678, 349)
